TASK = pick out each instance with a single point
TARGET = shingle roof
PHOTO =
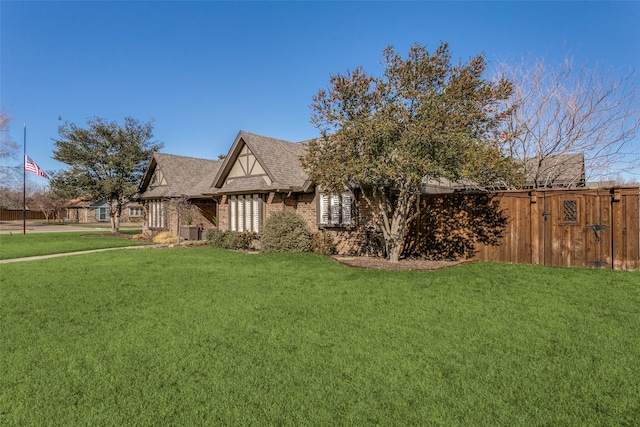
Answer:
(562, 170)
(280, 158)
(77, 203)
(185, 176)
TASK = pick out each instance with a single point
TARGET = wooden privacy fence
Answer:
(582, 227)
(16, 215)
(585, 227)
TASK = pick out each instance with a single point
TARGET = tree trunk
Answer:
(392, 220)
(396, 236)
(116, 209)
(394, 251)
(401, 219)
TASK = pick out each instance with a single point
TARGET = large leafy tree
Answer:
(106, 161)
(424, 118)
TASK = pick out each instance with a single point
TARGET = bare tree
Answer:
(563, 111)
(47, 202)
(10, 198)
(8, 150)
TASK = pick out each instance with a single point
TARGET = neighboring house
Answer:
(101, 212)
(83, 211)
(79, 210)
(559, 171)
(131, 212)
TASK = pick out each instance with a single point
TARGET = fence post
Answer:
(535, 227)
(617, 230)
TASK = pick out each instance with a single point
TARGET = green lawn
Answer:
(26, 245)
(198, 336)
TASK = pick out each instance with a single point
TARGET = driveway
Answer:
(16, 227)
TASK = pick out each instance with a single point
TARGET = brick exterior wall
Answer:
(358, 240)
(223, 213)
(79, 215)
(349, 241)
(305, 206)
(203, 213)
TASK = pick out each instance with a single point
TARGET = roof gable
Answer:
(276, 161)
(247, 165)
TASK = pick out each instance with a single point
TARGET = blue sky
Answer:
(205, 70)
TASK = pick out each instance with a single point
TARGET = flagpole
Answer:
(24, 184)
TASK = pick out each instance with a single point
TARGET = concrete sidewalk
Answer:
(39, 257)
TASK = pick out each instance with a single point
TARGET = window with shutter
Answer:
(233, 202)
(156, 214)
(335, 210)
(245, 213)
(324, 209)
(248, 216)
(240, 213)
(256, 213)
(150, 214)
(346, 208)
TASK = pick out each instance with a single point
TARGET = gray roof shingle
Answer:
(562, 170)
(185, 176)
(280, 158)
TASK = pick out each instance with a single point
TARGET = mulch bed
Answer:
(403, 264)
(373, 263)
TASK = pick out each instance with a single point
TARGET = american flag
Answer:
(30, 166)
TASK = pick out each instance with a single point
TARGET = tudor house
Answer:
(258, 176)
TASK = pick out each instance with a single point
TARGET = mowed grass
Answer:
(198, 336)
(34, 244)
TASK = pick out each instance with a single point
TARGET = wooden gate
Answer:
(575, 229)
(585, 227)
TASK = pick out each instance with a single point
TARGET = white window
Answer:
(245, 213)
(135, 212)
(335, 210)
(156, 215)
(102, 214)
